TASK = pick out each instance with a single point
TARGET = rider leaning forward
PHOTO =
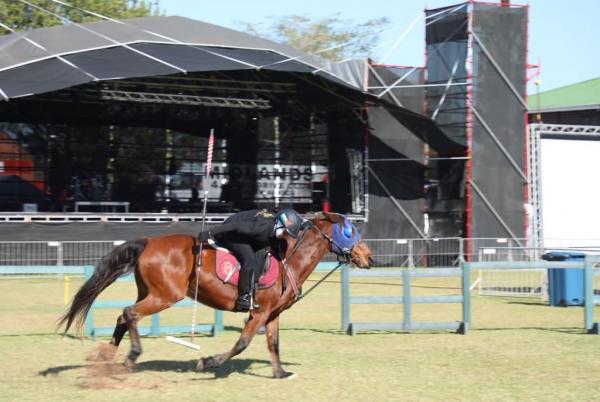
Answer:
(246, 232)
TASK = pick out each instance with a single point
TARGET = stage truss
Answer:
(537, 132)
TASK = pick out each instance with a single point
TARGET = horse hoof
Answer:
(129, 364)
(208, 363)
(285, 376)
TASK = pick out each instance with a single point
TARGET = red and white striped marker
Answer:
(209, 156)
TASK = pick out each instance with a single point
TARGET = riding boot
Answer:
(244, 302)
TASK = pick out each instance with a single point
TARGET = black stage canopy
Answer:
(127, 72)
(50, 59)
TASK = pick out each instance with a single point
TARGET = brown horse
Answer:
(165, 273)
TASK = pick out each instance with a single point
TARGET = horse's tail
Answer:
(122, 260)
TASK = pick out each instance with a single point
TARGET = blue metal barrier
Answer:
(155, 328)
(590, 300)
(407, 300)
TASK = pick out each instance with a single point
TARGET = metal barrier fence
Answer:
(54, 253)
(387, 252)
(590, 299)
(155, 328)
(417, 252)
(68, 258)
(443, 252)
(590, 271)
(517, 283)
(399, 253)
(406, 299)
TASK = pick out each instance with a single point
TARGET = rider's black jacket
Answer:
(255, 224)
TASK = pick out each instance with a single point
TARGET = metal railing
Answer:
(54, 253)
(411, 253)
(387, 252)
(56, 257)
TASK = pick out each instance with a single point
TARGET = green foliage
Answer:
(18, 15)
(312, 36)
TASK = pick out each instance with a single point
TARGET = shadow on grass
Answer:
(240, 366)
(530, 303)
(59, 369)
(338, 332)
(59, 334)
(566, 330)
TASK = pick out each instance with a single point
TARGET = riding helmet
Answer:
(290, 220)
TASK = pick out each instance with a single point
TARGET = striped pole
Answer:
(191, 344)
(209, 156)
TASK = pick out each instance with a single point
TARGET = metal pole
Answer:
(345, 298)
(588, 286)
(466, 290)
(406, 319)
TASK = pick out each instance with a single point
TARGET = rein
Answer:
(298, 291)
(288, 271)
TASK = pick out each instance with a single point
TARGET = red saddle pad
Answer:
(228, 270)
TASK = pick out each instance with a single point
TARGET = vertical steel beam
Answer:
(345, 297)
(406, 307)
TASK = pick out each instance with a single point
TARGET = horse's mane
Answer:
(330, 217)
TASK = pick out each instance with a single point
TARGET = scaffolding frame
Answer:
(537, 132)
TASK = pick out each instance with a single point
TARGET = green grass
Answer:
(517, 350)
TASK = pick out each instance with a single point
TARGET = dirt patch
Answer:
(105, 352)
(108, 372)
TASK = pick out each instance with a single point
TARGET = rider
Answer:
(246, 232)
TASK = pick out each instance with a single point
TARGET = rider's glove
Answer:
(204, 236)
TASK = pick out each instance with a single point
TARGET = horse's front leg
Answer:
(250, 329)
(272, 332)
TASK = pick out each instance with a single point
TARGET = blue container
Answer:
(565, 286)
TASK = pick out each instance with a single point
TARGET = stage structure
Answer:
(116, 113)
(120, 116)
(476, 92)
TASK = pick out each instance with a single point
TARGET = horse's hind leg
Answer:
(272, 332)
(133, 314)
(250, 329)
(121, 326)
(119, 331)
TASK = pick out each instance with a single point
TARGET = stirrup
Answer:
(245, 303)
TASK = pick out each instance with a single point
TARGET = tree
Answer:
(312, 36)
(18, 15)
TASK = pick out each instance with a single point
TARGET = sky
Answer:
(563, 36)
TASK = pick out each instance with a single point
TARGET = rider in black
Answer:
(246, 232)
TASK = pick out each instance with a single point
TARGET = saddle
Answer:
(228, 267)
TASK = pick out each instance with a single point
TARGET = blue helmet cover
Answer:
(344, 237)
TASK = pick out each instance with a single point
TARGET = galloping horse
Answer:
(165, 273)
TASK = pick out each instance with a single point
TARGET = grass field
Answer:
(518, 350)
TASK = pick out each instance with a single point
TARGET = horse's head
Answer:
(345, 240)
